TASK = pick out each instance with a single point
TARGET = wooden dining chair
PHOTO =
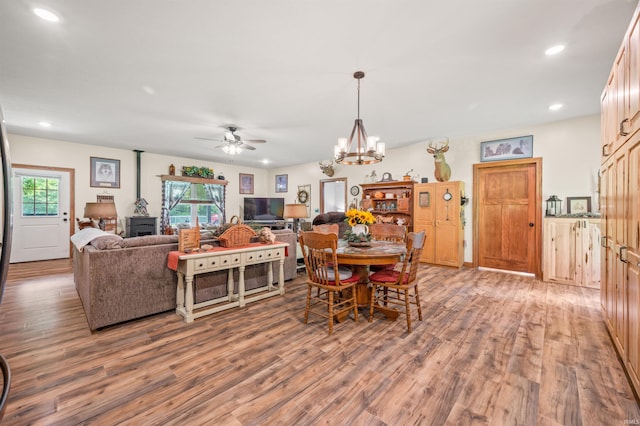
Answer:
(388, 232)
(327, 228)
(393, 286)
(336, 287)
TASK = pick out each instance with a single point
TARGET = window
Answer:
(40, 196)
(185, 200)
(197, 201)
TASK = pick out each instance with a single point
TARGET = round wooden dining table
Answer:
(360, 258)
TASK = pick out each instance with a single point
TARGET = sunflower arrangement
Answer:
(359, 217)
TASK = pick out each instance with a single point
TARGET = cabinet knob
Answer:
(531, 224)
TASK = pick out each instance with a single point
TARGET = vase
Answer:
(360, 229)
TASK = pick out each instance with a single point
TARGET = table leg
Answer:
(241, 285)
(281, 276)
(189, 298)
(180, 293)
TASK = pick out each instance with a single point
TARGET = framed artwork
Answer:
(282, 183)
(577, 205)
(105, 173)
(424, 199)
(507, 149)
(246, 183)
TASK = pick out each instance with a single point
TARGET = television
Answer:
(263, 209)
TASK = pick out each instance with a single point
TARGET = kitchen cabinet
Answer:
(620, 100)
(571, 251)
(438, 210)
(620, 206)
(389, 201)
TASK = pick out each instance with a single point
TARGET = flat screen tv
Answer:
(263, 208)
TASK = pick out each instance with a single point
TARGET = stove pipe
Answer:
(138, 152)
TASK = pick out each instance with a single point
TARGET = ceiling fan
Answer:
(233, 144)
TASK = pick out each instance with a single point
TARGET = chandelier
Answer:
(368, 150)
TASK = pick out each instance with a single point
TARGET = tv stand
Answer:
(273, 224)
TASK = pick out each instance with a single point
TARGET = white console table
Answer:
(190, 265)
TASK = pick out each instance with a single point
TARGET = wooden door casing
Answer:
(507, 211)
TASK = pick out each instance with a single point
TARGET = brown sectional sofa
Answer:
(121, 280)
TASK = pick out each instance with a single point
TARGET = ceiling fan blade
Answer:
(255, 141)
(208, 139)
(249, 147)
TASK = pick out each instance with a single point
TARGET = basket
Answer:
(237, 235)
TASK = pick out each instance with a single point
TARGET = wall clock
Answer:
(355, 190)
(447, 195)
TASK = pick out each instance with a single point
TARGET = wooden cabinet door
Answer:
(608, 117)
(424, 213)
(591, 253)
(632, 255)
(632, 86)
(620, 270)
(560, 248)
(608, 276)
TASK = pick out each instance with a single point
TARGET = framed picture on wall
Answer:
(246, 183)
(282, 183)
(507, 149)
(105, 173)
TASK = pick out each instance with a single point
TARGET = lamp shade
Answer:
(98, 210)
(295, 211)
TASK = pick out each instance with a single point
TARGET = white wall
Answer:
(52, 153)
(570, 150)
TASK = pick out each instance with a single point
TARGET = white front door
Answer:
(40, 215)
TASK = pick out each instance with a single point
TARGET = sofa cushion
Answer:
(107, 242)
(149, 240)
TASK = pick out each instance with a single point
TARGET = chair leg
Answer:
(407, 309)
(307, 305)
(418, 302)
(330, 295)
(372, 300)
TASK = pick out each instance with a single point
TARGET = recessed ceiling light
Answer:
(555, 107)
(265, 161)
(47, 15)
(554, 50)
(149, 90)
(44, 124)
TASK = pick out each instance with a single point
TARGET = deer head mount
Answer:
(327, 167)
(442, 169)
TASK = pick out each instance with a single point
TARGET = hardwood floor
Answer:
(492, 349)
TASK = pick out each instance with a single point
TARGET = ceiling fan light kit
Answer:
(232, 144)
(368, 150)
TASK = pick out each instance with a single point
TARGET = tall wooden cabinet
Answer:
(571, 251)
(438, 210)
(620, 202)
(389, 201)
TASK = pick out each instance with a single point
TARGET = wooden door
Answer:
(507, 212)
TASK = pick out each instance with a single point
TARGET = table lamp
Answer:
(295, 212)
(100, 211)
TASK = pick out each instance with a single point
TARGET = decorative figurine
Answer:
(141, 207)
(172, 170)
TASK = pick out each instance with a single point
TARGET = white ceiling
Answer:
(282, 70)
